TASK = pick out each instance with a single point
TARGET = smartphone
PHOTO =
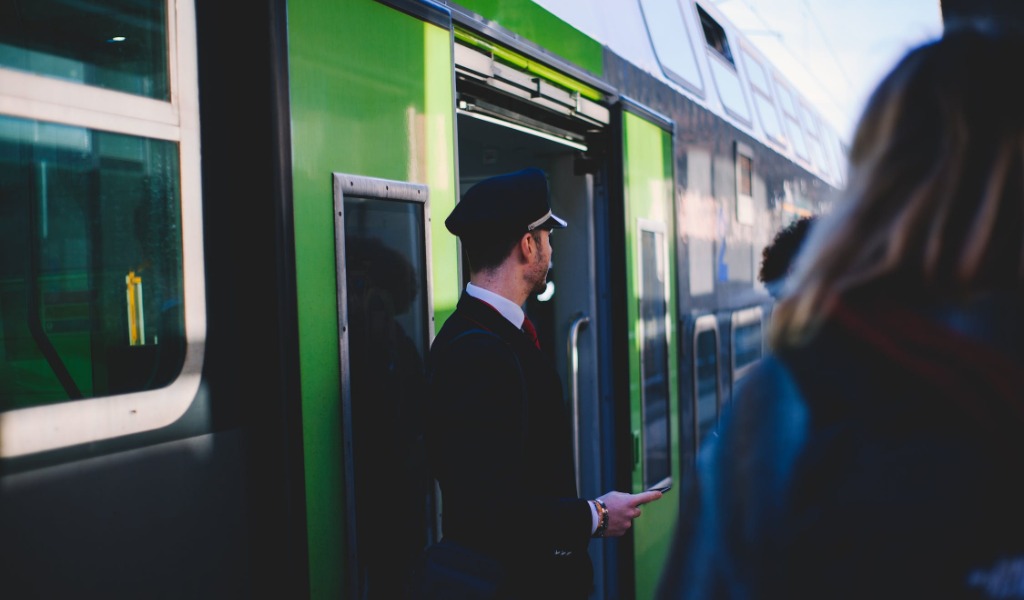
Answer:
(663, 489)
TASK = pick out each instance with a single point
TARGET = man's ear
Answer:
(527, 246)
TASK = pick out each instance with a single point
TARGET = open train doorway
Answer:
(489, 147)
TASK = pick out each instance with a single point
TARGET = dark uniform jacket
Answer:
(499, 442)
(883, 460)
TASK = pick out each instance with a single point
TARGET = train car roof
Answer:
(693, 48)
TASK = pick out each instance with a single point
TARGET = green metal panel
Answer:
(647, 174)
(536, 24)
(371, 94)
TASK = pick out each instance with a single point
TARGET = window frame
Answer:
(766, 95)
(370, 188)
(694, 86)
(740, 318)
(660, 230)
(791, 123)
(702, 324)
(47, 99)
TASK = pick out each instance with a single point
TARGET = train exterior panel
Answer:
(224, 258)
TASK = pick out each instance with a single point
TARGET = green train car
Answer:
(223, 258)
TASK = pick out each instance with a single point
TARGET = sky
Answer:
(835, 51)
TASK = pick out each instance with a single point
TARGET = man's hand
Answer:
(623, 508)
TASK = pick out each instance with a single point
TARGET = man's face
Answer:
(538, 272)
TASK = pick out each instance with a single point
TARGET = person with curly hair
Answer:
(777, 257)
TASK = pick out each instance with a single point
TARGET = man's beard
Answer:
(541, 284)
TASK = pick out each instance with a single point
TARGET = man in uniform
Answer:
(499, 436)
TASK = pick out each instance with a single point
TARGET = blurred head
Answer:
(933, 205)
(778, 257)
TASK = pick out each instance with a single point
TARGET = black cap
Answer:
(511, 202)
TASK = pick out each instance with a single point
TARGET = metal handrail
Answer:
(574, 388)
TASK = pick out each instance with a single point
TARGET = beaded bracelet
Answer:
(602, 513)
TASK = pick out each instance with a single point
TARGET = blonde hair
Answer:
(933, 206)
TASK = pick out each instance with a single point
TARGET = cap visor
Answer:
(548, 221)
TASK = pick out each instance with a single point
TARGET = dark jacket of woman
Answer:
(882, 460)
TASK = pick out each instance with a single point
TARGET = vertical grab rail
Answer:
(574, 389)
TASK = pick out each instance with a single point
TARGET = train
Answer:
(223, 259)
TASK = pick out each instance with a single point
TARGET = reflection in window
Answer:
(654, 358)
(706, 381)
(90, 263)
(110, 44)
(388, 337)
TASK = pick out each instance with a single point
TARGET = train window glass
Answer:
(715, 36)
(730, 91)
(792, 120)
(110, 44)
(654, 357)
(91, 286)
(747, 340)
(706, 377)
(814, 144)
(763, 102)
(672, 44)
(723, 69)
(745, 164)
(744, 185)
(385, 326)
(836, 155)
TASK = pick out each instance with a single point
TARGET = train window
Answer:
(836, 155)
(101, 274)
(91, 284)
(763, 102)
(385, 329)
(814, 142)
(109, 44)
(671, 39)
(744, 184)
(654, 354)
(715, 36)
(707, 389)
(792, 120)
(723, 70)
(747, 340)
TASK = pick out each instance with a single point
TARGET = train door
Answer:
(384, 299)
(504, 131)
(649, 235)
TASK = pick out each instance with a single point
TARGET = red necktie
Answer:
(531, 331)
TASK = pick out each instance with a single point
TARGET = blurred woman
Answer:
(876, 453)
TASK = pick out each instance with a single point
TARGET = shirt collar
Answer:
(508, 309)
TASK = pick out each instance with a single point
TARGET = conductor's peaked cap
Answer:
(507, 203)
